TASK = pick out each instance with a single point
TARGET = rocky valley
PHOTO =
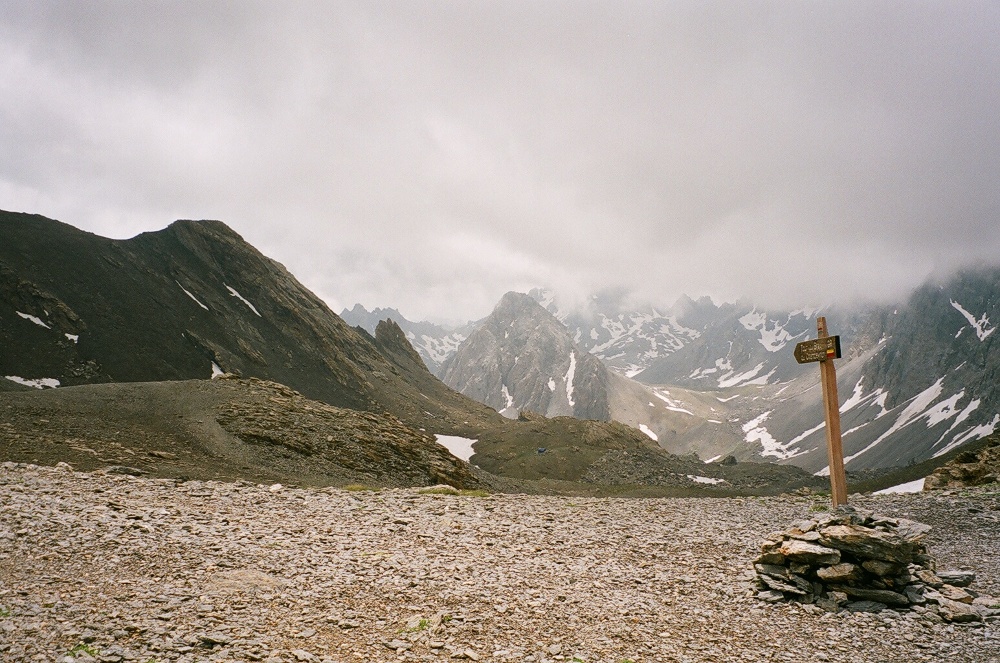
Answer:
(111, 567)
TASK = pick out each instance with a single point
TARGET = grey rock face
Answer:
(522, 358)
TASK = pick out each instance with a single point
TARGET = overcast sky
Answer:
(431, 156)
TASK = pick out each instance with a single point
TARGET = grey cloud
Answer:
(430, 156)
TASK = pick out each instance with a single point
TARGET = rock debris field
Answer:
(110, 567)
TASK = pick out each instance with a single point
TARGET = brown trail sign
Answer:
(825, 349)
(819, 349)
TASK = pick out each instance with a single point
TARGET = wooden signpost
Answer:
(825, 349)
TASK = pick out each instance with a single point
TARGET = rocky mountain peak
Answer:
(522, 358)
(392, 342)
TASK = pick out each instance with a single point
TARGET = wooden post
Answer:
(831, 403)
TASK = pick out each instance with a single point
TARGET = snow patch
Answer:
(917, 407)
(217, 370)
(73, 337)
(459, 447)
(982, 325)
(975, 433)
(772, 335)
(804, 434)
(908, 487)
(439, 349)
(754, 431)
(713, 459)
(552, 384)
(570, 373)
(233, 293)
(645, 429)
(708, 480)
(730, 380)
(672, 405)
(858, 397)
(35, 319)
(509, 400)
(188, 293)
(37, 383)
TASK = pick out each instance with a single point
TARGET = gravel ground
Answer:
(123, 568)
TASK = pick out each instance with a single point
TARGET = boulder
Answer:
(954, 611)
(803, 551)
(957, 578)
(880, 595)
(838, 573)
(868, 543)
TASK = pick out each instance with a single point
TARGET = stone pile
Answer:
(863, 562)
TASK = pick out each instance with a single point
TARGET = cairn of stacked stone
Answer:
(861, 562)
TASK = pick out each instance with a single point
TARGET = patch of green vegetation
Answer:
(448, 490)
(438, 490)
(819, 506)
(359, 488)
(422, 625)
(4, 611)
(84, 648)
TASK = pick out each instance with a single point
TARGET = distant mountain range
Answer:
(918, 378)
(195, 301)
(432, 342)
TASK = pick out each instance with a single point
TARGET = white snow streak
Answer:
(803, 435)
(979, 325)
(962, 416)
(772, 335)
(672, 405)
(730, 380)
(977, 433)
(756, 432)
(855, 398)
(507, 397)
(438, 349)
(708, 480)
(35, 319)
(232, 292)
(217, 370)
(188, 293)
(908, 487)
(645, 429)
(916, 408)
(73, 337)
(37, 383)
(570, 374)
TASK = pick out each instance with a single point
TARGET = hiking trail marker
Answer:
(825, 349)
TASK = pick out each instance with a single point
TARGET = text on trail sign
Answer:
(820, 349)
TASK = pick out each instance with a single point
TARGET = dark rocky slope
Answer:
(220, 429)
(195, 299)
(167, 305)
